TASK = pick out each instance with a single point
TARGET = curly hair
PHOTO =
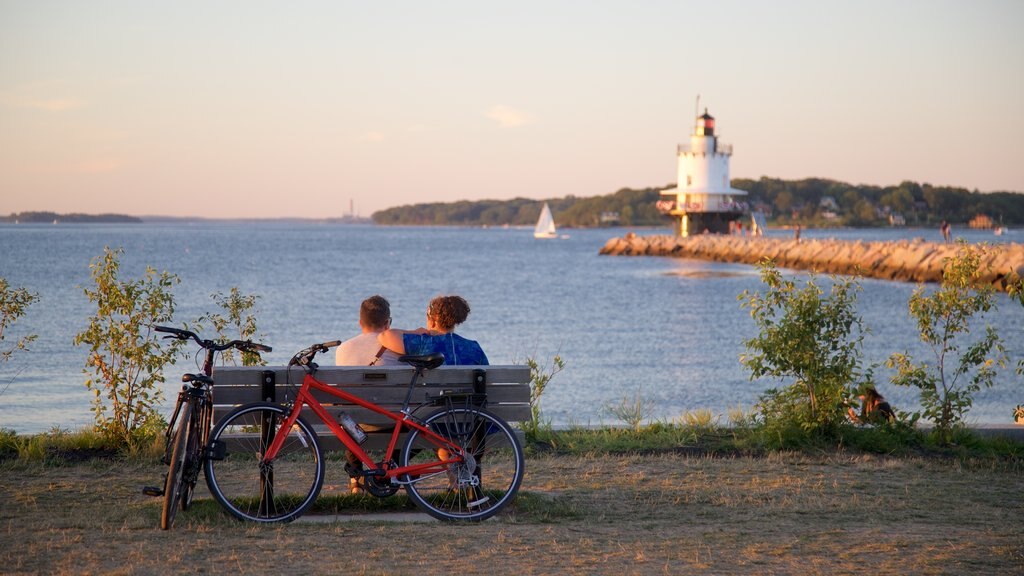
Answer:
(448, 311)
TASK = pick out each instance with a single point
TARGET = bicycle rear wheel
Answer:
(479, 486)
(248, 488)
(172, 485)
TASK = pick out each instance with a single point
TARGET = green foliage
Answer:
(862, 205)
(944, 320)
(884, 438)
(238, 316)
(634, 207)
(812, 338)
(1016, 291)
(540, 377)
(785, 201)
(126, 358)
(13, 304)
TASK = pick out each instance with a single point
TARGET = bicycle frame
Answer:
(196, 389)
(402, 420)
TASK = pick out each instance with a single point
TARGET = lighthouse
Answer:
(702, 200)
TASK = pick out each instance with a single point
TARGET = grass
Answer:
(830, 511)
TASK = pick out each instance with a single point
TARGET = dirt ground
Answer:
(651, 514)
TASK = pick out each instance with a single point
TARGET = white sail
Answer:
(545, 224)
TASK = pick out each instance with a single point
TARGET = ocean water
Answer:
(668, 330)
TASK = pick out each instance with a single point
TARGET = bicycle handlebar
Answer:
(305, 357)
(243, 345)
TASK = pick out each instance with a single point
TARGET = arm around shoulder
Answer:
(393, 339)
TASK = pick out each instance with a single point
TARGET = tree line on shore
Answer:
(48, 217)
(811, 202)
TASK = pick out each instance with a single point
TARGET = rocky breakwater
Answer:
(905, 260)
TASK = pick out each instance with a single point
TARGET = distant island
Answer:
(812, 202)
(53, 217)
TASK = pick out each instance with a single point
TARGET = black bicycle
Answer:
(189, 429)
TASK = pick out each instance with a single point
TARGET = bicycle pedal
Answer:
(152, 491)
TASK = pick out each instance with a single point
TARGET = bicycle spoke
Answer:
(248, 487)
(478, 486)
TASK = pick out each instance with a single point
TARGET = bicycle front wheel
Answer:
(479, 486)
(251, 489)
(172, 486)
(194, 454)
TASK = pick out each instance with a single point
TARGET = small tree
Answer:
(944, 319)
(13, 304)
(126, 358)
(812, 338)
(240, 319)
(1016, 291)
(540, 376)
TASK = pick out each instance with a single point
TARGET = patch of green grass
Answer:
(59, 444)
(701, 435)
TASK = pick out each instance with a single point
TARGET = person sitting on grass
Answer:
(874, 409)
(444, 313)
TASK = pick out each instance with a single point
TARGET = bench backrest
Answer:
(507, 387)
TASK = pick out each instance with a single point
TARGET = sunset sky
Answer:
(260, 109)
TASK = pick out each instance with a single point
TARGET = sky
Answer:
(254, 109)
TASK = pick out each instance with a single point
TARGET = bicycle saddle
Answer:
(428, 362)
(197, 378)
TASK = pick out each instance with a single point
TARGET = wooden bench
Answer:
(506, 389)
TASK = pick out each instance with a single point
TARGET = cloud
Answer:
(508, 117)
(374, 136)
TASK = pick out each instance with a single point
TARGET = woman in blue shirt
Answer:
(444, 313)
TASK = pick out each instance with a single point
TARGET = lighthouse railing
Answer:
(724, 149)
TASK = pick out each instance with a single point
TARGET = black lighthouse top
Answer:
(706, 124)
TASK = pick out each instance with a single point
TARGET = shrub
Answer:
(13, 304)
(811, 338)
(944, 319)
(126, 358)
(540, 377)
(632, 411)
(238, 316)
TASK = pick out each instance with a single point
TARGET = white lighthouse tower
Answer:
(702, 198)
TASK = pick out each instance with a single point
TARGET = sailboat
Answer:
(545, 224)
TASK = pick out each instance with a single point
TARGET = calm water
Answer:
(670, 330)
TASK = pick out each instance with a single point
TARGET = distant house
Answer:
(981, 221)
(609, 217)
(897, 219)
(829, 203)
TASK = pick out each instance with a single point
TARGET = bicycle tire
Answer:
(196, 452)
(279, 492)
(477, 488)
(172, 485)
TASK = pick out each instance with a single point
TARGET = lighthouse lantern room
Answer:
(702, 200)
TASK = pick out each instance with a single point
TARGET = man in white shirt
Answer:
(364, 349)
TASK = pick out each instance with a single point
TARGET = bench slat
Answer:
(376, 393)
(227, 375)
(509, 413)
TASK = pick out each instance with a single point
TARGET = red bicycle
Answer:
(458, 461)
